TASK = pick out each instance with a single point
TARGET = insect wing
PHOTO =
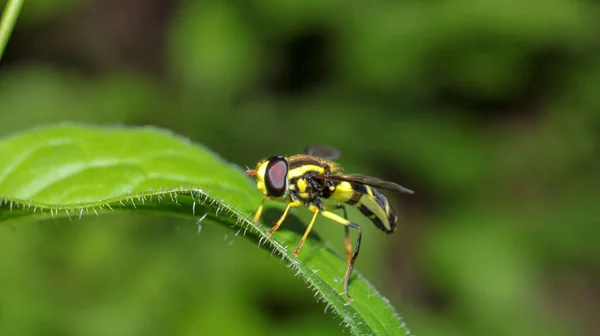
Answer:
(368, 180)
(322, 151)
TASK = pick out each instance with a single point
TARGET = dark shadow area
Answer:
(305, 63)
(281, 305)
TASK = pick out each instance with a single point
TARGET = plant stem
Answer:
(7, 22)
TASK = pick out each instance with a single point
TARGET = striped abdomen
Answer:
(369, 201)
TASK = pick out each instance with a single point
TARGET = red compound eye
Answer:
(276, 176)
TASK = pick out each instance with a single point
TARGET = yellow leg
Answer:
(348, 244)
(285, 213)
(259, 211)
(352, 259)
(312, 222)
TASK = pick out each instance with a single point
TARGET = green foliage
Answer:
(488, 110)
(76, 170)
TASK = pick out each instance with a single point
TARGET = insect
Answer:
(310, 178)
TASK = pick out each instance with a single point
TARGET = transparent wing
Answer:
(322, 151)
(368, 180)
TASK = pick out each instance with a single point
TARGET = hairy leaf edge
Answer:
(120, 202)
(200, 197)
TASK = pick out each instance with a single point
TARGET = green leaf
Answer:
(73, 171)
(8, 20)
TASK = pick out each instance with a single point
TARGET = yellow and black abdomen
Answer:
(371, 203)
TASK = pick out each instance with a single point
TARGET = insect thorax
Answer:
(306, 187)
(301, 163)
(303, 185)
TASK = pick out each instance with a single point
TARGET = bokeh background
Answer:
(490, 110)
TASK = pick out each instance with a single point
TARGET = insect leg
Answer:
(335, 207)
(259, 211)
(348, 224)
(348, 244)
(262, 203)
(312, 222)
(346, 230)
(287, 209)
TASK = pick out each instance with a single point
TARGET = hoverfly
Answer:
(307, 179)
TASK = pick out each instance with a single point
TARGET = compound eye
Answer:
(276, 176)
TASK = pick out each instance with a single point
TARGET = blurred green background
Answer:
(490, 110)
